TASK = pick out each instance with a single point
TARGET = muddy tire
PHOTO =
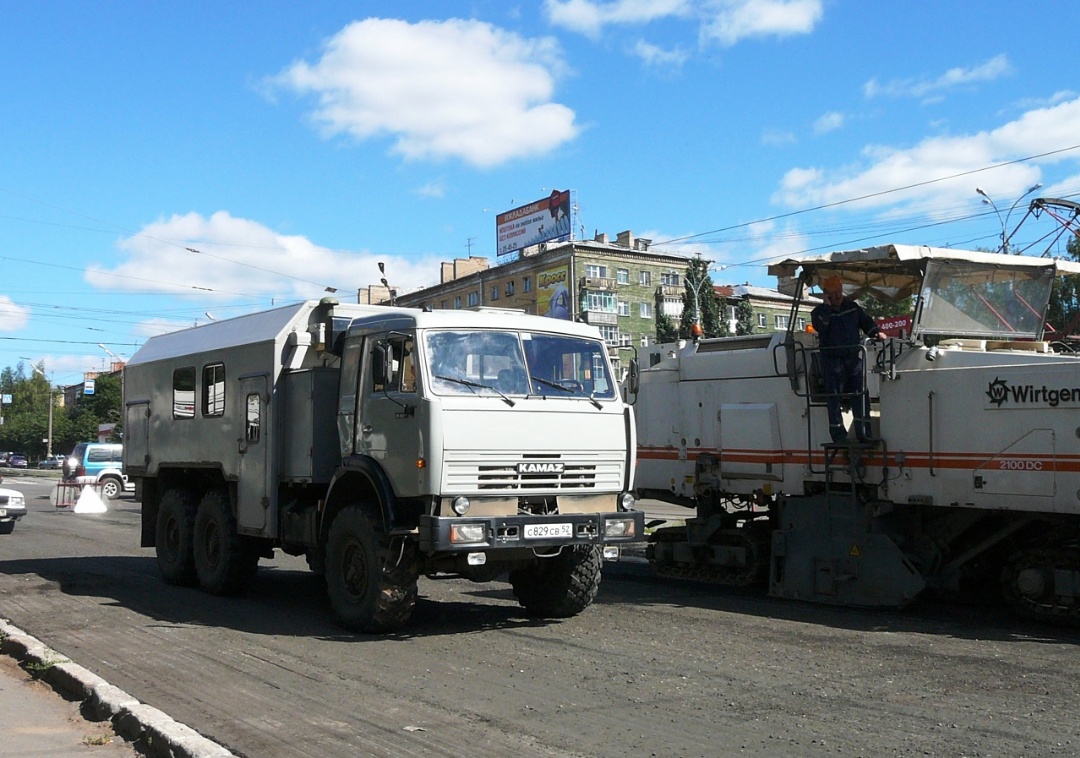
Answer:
(224, 565)
(174, 535)
(559, 587)
(372, 588)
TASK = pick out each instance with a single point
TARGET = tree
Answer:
(1064, 307)
(699, 302)
(744, 317)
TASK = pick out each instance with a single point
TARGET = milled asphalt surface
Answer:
(34, 723)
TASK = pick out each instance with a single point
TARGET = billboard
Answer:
(547, 220)
(553, 293)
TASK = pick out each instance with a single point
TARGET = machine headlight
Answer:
(619, 528)
(460, 504)
(626, 501)
(466, 533)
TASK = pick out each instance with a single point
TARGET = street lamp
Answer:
(987, 200)
(695, 327)
(48, 441)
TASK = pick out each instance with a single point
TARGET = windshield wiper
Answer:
(476, 385)
(551, 384)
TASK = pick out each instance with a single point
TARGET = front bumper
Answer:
(487, 533)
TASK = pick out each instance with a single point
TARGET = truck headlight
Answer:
(460, 504)
(626, 501)
(466, 533)
(618, 528)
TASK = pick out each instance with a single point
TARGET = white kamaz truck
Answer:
(969, 485)
(383, 443)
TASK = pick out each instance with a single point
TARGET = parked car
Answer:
(55, 462)
(17, 460)
(12, 508)
(98, 463)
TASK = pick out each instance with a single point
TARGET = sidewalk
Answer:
(41, 715)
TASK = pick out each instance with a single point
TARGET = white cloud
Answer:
(657, 57)
(829, 122)
(589, 17)
(732, 21)
(241, 258)
(724, 21)
(438, 89)
(777, 137)
(886, 168)
(990, 70)
(12, 316)
(434, 189)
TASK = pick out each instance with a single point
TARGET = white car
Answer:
(12, 508)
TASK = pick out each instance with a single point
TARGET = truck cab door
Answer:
(387, 429)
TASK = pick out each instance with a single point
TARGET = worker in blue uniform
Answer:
(839, 323)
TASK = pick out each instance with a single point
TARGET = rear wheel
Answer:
(372, 588)
(559, 587)
(223, 563)
(174, 534)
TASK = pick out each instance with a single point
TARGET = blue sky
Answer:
(160, 162)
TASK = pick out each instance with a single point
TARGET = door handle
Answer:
(366, 428)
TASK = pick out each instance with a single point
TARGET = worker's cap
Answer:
(832, 284)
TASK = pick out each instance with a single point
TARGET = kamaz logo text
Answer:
(540, 468)
(1000, 392)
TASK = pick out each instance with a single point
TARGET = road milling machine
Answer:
(968, 485)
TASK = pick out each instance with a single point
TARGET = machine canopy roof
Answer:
(893, 272)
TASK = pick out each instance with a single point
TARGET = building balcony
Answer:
(671, 290)
(596, 283)
(601, 318)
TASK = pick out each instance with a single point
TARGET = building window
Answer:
(646, 279)
(595, 271)
(510, 288)
(645, 340)
(603, 302)
(761, 320)
(801, 323)
(495, 292)
(624, 308)
(645, 310)
(623, 276)
(672, 307)
(457, 302)
(671, 278)
(474, 299)
(526, 284)
(443, 305)
(780, 322)
(610, 334)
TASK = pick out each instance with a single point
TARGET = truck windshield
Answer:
(517, 363)
(963, 299)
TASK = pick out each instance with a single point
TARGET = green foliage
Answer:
(883, 309)
(744, 317)
(26, 420)
(1064, 310)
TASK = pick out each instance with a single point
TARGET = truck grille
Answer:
(472, 472)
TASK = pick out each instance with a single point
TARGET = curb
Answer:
(154, 733)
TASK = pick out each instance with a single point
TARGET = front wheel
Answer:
(174, 533)
(224, 565)
(371, 588)
(111, 488)
(559, 587)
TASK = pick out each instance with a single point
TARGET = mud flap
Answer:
(825, 552)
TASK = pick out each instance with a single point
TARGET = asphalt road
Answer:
(654, 668)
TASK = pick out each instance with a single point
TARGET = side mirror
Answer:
(633, 381)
